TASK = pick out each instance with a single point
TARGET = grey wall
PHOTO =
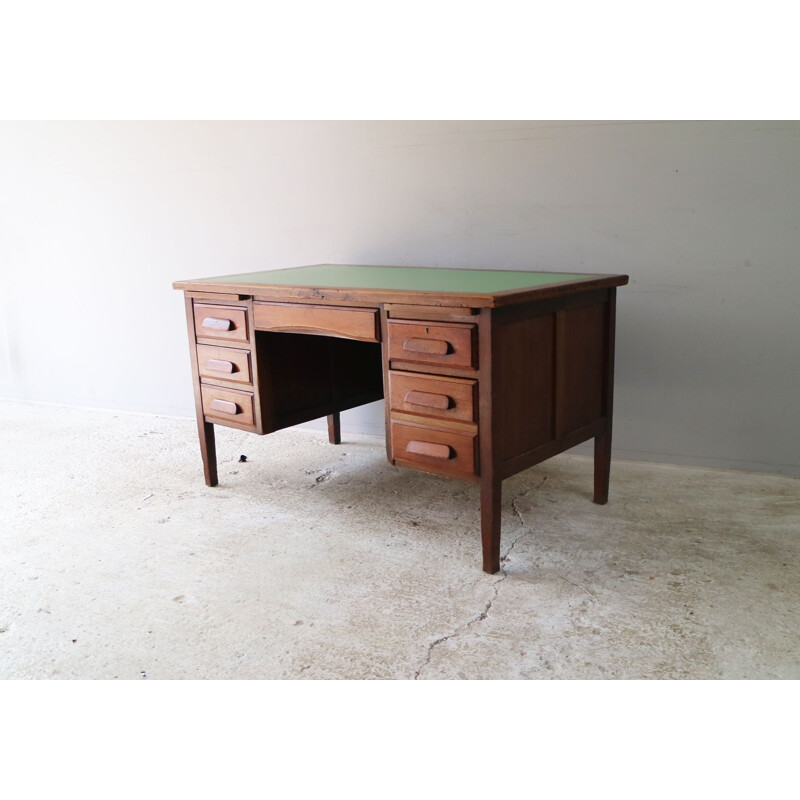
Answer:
(96, 220)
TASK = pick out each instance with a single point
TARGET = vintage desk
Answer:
(485, 372)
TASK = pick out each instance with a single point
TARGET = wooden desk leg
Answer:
(491, 483)
(491, 493)
(334, 428)
(208, 449)
(602, 467)
(602, 443)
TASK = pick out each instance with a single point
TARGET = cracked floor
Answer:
(322, 562)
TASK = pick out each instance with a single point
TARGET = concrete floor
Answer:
(315, 561)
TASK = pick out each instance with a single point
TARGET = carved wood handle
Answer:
(218, 324)
(442, 451)
(213, 365)
(225, 406)
(438, 347)
(429, 400)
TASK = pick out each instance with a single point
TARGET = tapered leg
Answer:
(491, 492)
(602, 467)
(334, 428)
(208, 449)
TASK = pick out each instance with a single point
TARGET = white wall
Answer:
(97, 219)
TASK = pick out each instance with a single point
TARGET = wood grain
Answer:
(334, 428)
(439, 344)
(489, 421)
(432, 395)
(432, 313)
(523, 372)
(205, 430)
(452, 453)
(602, 443)
(441, 451)
(435, 347)
(224, 363)
(227, 405)
(428, 400)
(220, 322)
(348, 323)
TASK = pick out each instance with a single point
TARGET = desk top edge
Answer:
(294, 286)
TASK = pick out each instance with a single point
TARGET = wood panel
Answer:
(550, 449)
(523, 372)
(220, 322)
(211, 297)
(432, 396)
(350, 323)
(441, 452)
(439, 344)
(446, 314)
(581, 364)
(224, 363)
(227, 405)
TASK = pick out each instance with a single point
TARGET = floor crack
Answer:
(485, 613)
(558, 574)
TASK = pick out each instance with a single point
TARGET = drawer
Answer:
(441, 397)
(224, 363)
(444, 345)
(441, 451)
(346, 323)
(227, 405)
(220, 322)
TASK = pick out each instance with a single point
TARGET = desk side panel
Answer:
(549, 378)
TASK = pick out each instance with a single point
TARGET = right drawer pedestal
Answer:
(433, 414)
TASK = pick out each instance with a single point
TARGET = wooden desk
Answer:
(485, 372)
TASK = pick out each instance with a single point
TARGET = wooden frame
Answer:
(489, 385)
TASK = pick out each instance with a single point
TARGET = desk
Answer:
(485, 372)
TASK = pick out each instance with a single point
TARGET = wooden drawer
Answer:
(444, 345)
(227, 405)
(346, 323)
(224, 363)
(439, 451)
(439, 396)
(220, 322)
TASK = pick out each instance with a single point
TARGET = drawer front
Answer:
(444, 398)
(442, 451)
(224, 363)
(227, 405)
(220, 322)
(347, 323)
(445, 345)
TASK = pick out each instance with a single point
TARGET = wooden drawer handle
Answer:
(429, 400)
(218, 324)
(442, 451)
(225, 406)
(213, 365)
(437, 347)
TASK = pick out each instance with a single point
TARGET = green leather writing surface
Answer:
(414, 279)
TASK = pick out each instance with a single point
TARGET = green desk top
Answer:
(413, 279)
(478, 287)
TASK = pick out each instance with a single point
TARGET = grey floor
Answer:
(315, 561)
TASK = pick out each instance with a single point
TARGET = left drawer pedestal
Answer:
(222, 341)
